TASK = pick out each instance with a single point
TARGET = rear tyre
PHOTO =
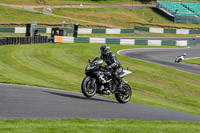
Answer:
(124, 98)
(86, 88)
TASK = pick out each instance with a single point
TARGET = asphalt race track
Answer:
(25, 102)
(166, 57)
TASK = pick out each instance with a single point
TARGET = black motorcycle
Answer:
(99, 80)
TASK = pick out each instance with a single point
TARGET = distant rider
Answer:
(113, 65)
(180, 58)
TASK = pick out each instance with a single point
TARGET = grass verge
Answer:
(173, 35)
(108, 16)
(65, 2)
(80, 35)
(122, 17)
(111, 35)
(12, 34)
(19, 16)
(193, 61)
(61, 66)
(97, 126)
(19, 34)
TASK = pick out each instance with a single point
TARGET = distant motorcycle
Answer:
(180, 58)
(99, 80)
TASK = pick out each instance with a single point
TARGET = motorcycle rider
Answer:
(180, 58)
(113, 65)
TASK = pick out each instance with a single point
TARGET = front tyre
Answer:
(86, 88)
(124, 98)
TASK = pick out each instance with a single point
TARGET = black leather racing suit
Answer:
(115, 66)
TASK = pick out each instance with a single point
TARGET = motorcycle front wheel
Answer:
(124, 98)
(86, 88)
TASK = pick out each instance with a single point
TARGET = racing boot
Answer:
(101, 88)
(119, 89)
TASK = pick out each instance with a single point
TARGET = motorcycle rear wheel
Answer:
(124, 98)
(86, 88)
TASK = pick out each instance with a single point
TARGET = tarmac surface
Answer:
(166, 56)
(26, 102)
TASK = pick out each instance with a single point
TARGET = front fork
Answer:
(93, 80)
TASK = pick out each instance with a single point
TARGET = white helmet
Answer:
(184, 54)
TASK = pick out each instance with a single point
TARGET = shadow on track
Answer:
(80, 97)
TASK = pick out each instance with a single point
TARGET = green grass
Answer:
(173, 35)
(152, 16)
(115, 17)
(193, 61)
(65, 2)
(19, 34)
(61, 66)
(20, 16)
(111, 35)
(121, 17)
(97, 126)
(149, 15)
(11, 34)
(80, 35)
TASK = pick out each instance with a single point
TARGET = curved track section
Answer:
(165, 57)
(25, 102)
